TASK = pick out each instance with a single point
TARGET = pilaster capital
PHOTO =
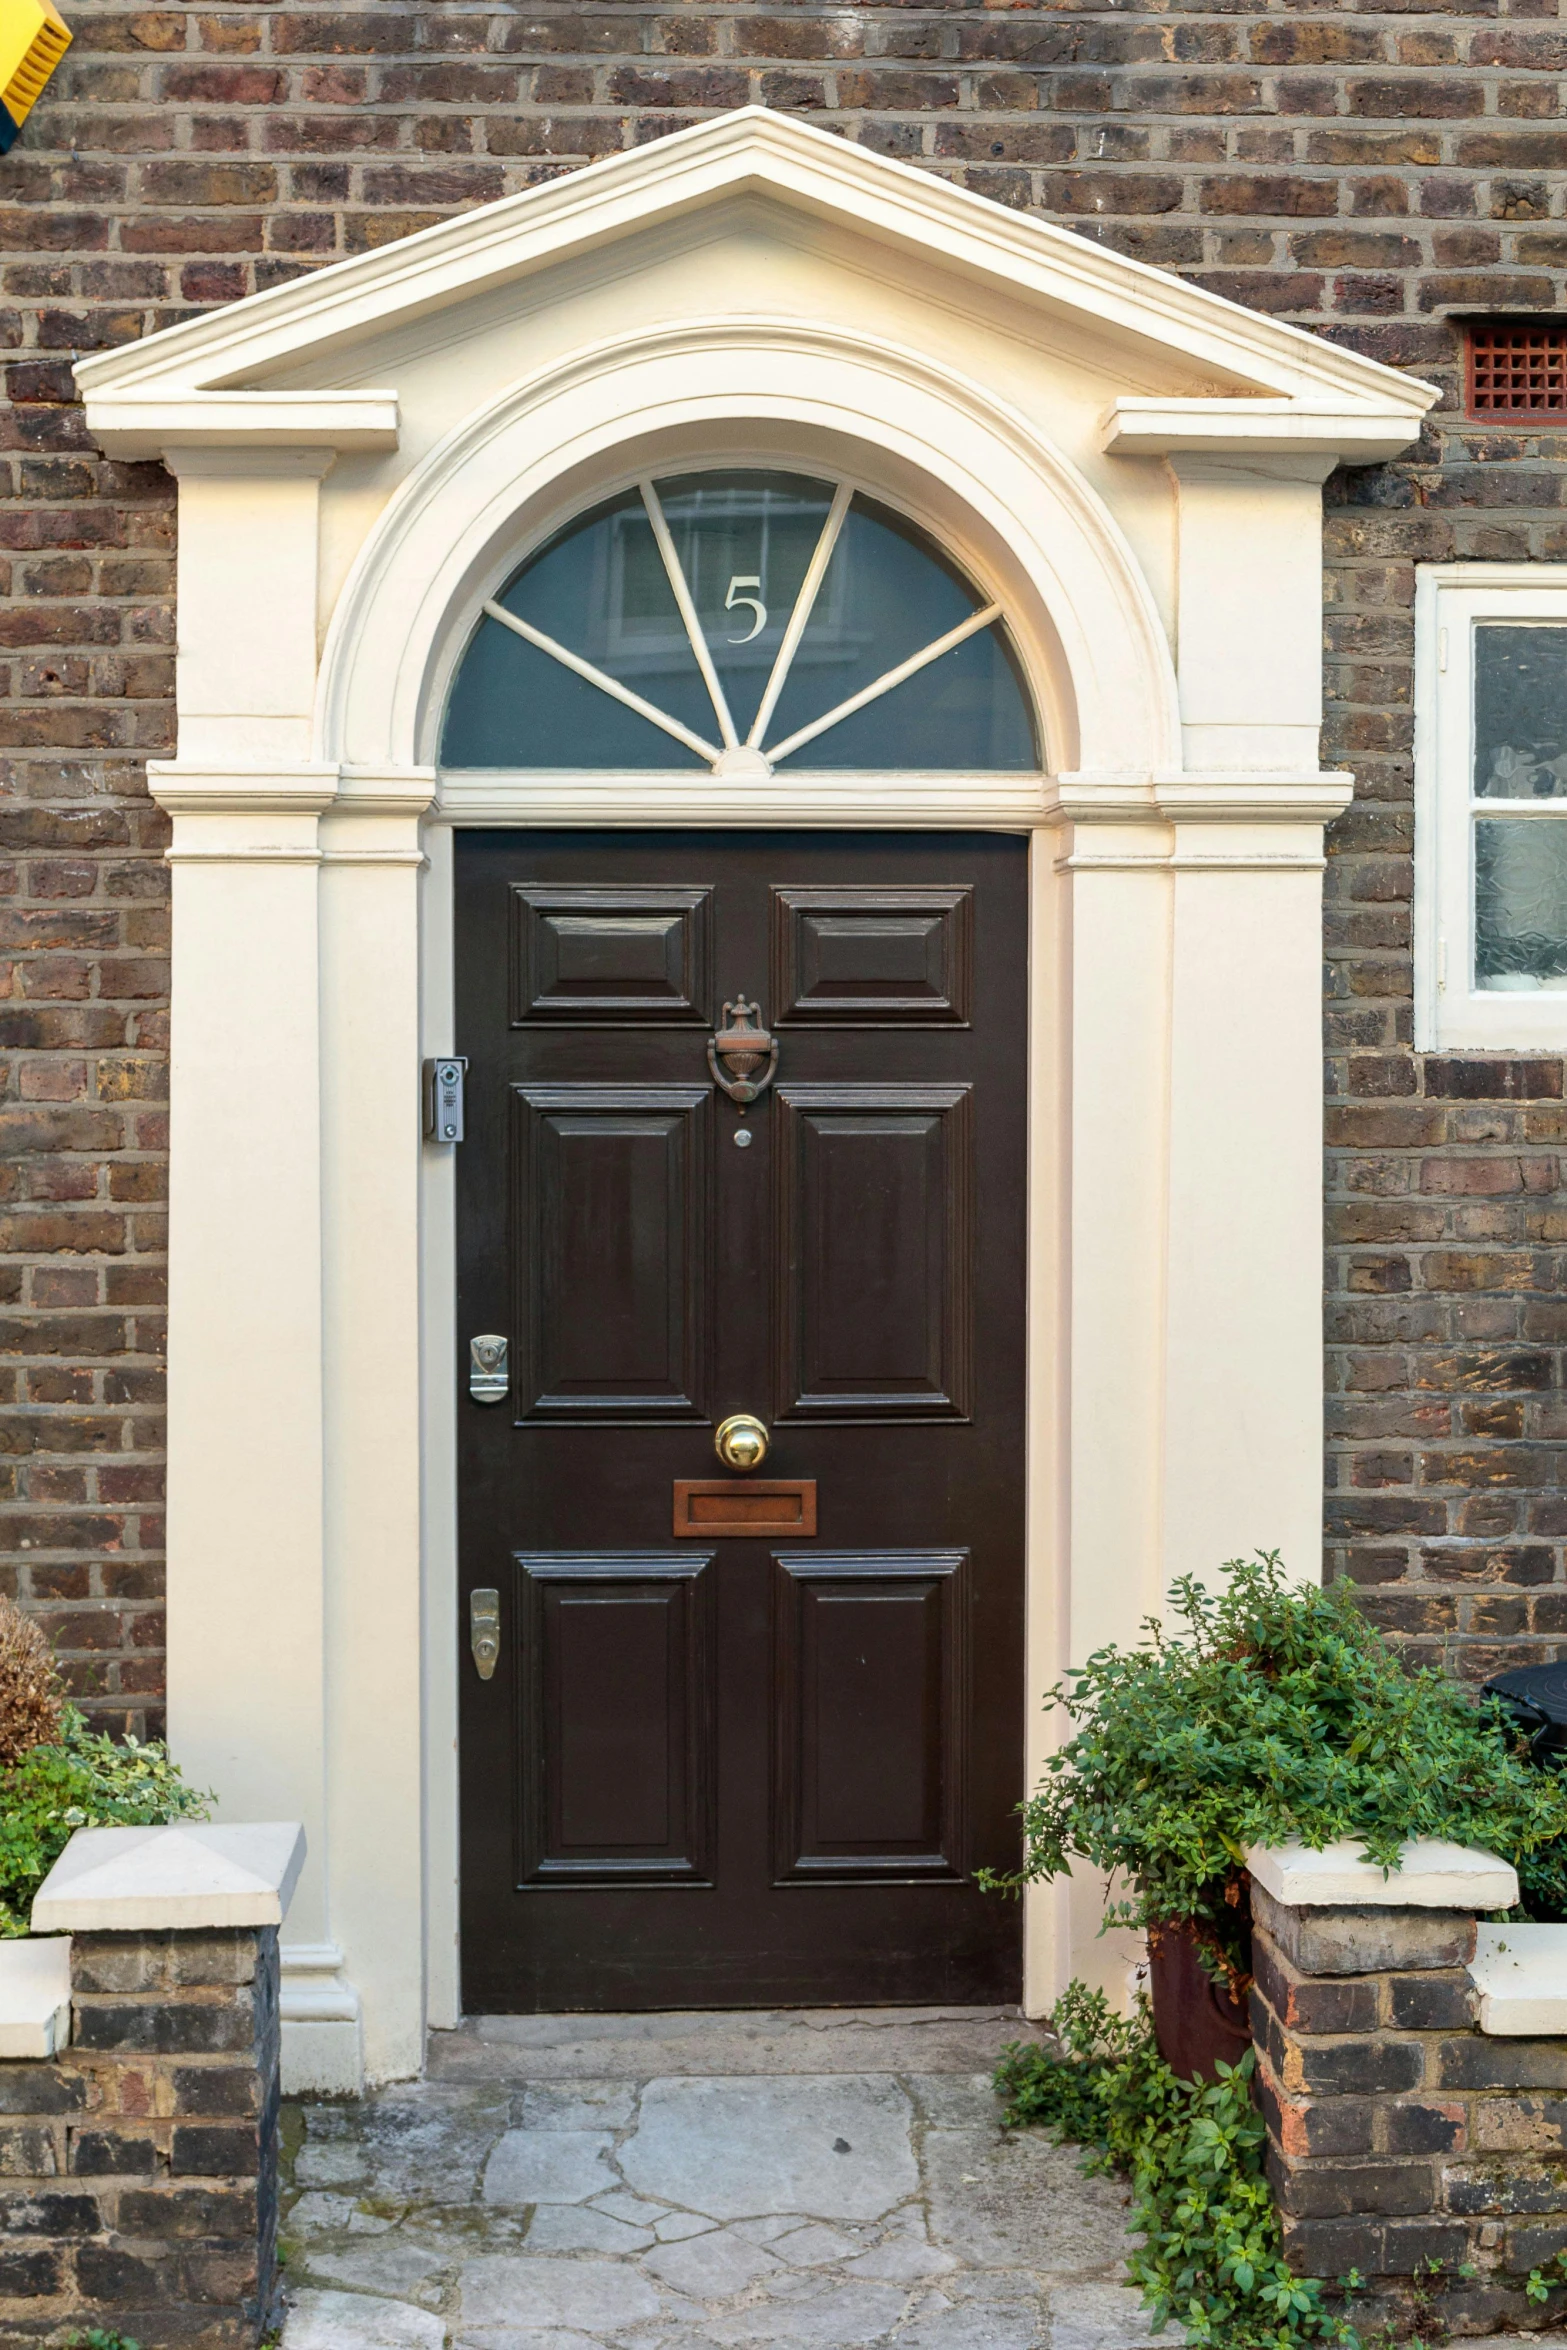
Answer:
(1223, 796)
(199, 790)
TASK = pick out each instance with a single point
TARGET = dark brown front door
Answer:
(753, 1767)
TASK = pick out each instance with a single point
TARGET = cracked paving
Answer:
(684, 2182)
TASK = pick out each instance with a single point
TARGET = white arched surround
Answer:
(1165, 603)
(1016, 513)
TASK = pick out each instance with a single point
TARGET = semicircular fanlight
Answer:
(734, 621)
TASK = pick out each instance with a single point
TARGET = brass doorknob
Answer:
(741, 1442)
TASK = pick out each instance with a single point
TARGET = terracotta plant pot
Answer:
(1196, 2024)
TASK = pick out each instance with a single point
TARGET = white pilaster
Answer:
(245, 671)
(246, 1559)
(1249, 609)
(1242, 1454)
(371, 1156)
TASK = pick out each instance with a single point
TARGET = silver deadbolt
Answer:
(484, 1630)
(489, 1381)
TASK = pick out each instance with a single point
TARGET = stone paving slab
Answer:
(784, 2040)
(830, 2181)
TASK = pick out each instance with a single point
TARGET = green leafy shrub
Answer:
(1193, 2152)
(79, 1780)
(1276, 1711)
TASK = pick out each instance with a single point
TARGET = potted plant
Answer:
(1263, 1711)
(57, 1774)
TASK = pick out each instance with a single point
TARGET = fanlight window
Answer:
(735, 621)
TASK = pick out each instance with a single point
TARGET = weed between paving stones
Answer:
(1194, 2154)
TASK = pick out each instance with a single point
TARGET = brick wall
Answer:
(140, 2167)
(1360, 170)
(1404, 2141)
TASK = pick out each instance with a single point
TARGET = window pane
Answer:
(742, 536)
(887, 593)
(1520, 903)
(600, 590)
(745, 541)
(1520, 725)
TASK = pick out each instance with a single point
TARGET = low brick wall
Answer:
(138, 2170)
(1400, 2135)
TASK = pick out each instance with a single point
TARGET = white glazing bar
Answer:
(688, 613)
(810, 588)
(605, 683)
(885, 683)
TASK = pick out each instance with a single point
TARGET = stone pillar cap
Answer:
(152, 1880)
(1430, 1875)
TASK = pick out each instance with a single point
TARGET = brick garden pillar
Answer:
(138, 2162)
(1416, 2127)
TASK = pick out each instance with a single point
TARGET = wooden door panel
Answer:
(610, 1190)
(615, 1758)
(872, 956)
(871, 1707)
(748, 1737)
(611, 951)
(875, 1248)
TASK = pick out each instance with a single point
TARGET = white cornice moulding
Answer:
(1520, 1973)
(1243, 798)
(155, 1880)
(753, 152)
(151, 423)
(837, 800)
(1431, 1874)
(241, 791)
(1357, 434)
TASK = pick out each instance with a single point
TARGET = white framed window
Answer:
(1491, 807)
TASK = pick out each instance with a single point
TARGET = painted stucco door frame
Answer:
(333, 549)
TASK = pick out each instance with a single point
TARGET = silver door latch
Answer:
(443, 1097)
(489, 1381)
(484, 1630)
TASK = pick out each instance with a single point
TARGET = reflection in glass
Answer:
(1520, 903)
(894, 593)
(1520, 721)
(739, 547)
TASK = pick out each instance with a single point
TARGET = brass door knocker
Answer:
(743, 1045)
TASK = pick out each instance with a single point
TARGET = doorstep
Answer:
(821, 2178)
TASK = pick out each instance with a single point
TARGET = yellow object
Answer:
(33, 39)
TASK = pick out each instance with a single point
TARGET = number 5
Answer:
(747, 579)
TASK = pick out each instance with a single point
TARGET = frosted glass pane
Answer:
(1520, 725)
(1520, 903)
(744, 540)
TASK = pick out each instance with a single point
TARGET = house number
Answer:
(740, 581)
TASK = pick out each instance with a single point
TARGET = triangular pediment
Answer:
(1285, 380)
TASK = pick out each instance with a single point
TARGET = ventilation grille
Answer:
(1518, 367)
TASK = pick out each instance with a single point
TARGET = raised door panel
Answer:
(616, 1725)
(871, 1716)
(874, 1269)
(603, 953)
(873, 956)
(610, 1197)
